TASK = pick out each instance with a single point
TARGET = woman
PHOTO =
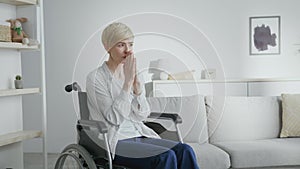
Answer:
(116, 94)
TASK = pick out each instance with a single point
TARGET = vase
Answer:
(19, 84)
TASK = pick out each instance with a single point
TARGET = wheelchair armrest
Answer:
(93, 123)
(175, 117)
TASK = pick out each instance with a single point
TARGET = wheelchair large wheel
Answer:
(76, 157)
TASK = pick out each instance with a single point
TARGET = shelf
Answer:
(18, 136)
(19, 2)
(14, 45)
(13, 92)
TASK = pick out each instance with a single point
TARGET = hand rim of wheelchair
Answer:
(85, 155)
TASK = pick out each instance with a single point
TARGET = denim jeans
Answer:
(150, 153)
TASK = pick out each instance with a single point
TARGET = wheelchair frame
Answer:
(79, 152)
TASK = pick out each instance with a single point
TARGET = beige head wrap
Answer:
(115, 33)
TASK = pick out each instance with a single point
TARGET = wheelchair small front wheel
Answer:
(75, 156)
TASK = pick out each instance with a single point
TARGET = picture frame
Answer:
(264, 35)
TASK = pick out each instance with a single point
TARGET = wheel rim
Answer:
(75, 157)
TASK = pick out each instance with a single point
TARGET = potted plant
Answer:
(18, 82)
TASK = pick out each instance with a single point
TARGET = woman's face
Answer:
(121, 50)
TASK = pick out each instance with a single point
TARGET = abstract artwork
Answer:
(265, 35)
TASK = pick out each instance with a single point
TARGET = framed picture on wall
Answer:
(264, 35)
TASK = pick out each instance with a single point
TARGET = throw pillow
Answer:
(290, 115)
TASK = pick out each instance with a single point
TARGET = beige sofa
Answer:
(232, 132)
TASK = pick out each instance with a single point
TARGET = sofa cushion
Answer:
(290, 115)
(260, 153)
(210, 156)
(192, 111)
(242, 118)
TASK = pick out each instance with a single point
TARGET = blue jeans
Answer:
(150, 153)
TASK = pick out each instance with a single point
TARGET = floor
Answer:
(35, 160)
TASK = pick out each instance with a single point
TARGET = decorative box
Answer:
(5, 34)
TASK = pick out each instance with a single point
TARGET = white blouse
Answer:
(122, 112)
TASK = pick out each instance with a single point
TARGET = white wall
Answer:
(70, 23)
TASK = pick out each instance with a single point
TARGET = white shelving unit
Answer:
(12, 133)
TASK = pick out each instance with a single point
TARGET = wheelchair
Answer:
(91, 152)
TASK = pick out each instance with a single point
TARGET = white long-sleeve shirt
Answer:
(122, 112)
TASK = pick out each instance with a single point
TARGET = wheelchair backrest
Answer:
(83, 107)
